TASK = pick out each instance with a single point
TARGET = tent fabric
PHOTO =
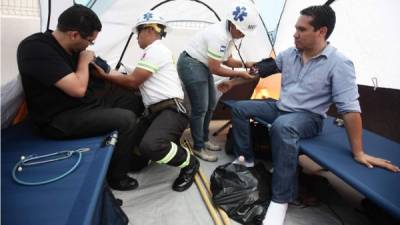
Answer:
(366, 32)
(185, 19)
(372, 46)
(11, 99)
(118, 17)
(11, 87)
(74, 199)
(154, 202)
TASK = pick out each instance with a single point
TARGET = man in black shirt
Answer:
(54, 68)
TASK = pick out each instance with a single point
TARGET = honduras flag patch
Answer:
(222, 48)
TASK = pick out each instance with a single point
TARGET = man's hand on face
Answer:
(87, 55)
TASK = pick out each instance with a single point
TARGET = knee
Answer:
(283, 129)
(126, 119)
(148, 147)
(212, 103)
(239, 111)
(211, 108)
(198, 111)
(148, 144)
(145, 147)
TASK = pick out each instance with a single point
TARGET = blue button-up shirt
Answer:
(312, 87)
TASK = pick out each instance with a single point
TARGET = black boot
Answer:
(186, 176)
(124, 184)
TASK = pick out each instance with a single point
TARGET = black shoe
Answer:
(186, 176)
(125, 184)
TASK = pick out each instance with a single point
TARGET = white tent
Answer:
(185, 18)
(366, 31)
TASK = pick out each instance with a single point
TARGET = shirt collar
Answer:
(226, 25)
(152, 44)
(328, 50)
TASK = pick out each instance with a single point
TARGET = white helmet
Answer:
(244, 16)
(151, 17)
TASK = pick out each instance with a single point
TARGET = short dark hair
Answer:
(79, 18)
(323, 16)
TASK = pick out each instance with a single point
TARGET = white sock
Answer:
(275, 214)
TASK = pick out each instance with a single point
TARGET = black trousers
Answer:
(166, 127)
(119, 110)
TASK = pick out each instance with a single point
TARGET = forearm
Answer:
(126, 81)
(225, 72)
(353, 124)
(82, 74)
(240, 81)
(233, 63)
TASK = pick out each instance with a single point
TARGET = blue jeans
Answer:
(287, 129)
(199, 85)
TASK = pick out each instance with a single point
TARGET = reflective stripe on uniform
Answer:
(147, 66)
(187, 161)
(214, 55)
(171, 154)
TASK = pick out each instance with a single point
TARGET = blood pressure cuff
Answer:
(265, 67)
(102, 64)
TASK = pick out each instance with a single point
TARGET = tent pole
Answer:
(123, 52)
(218, 215)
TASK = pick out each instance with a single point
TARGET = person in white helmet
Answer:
(204, 56)
(165, 117)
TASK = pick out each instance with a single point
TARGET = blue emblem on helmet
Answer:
(148, 16)
(239, 13)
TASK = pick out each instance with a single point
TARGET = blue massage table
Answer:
(75, 199)
(332, 151)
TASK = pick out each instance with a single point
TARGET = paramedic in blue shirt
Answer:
(204, 56)
(314, 74)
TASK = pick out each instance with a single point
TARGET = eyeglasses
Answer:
(90, 41)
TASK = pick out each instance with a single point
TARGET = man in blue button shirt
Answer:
(314, 75)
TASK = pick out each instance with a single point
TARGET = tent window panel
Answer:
(29, 8)
(189, 24)
(83, 2)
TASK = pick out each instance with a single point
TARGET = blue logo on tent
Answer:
(148, 16)
(239, 13)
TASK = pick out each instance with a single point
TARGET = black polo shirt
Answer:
(42, 62)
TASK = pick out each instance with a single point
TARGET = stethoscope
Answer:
(34, 160)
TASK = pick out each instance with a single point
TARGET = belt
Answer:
(168, 103)
(187, 54)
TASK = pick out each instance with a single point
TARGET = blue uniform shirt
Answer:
(312, 87)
